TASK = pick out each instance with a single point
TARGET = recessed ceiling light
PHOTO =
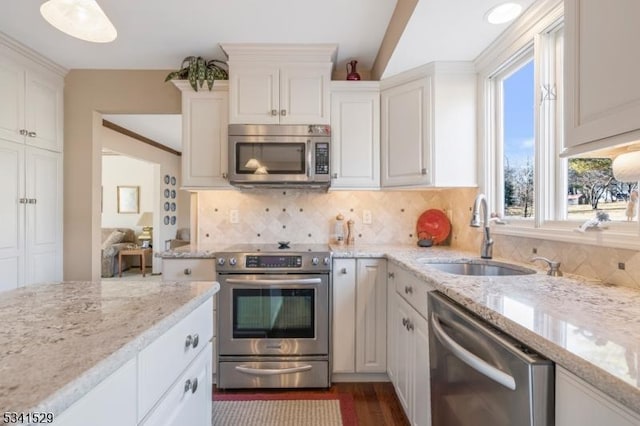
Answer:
(504, 12)
(83, 19)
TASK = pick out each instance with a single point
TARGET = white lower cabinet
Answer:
(408, 366)
(167, 383)
(359, 316)
(112, 401)
(579, 403)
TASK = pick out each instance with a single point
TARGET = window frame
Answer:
(540, 29)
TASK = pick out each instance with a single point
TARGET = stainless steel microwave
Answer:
(279, 156)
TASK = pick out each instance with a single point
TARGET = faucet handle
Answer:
(554, 267)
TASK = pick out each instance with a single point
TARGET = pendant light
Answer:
(83, 19)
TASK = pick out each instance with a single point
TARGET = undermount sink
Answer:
(477, 267)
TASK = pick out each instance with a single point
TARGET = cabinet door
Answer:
(188, 269)
(304, 93)
(391, 322)
(355, 139)
(371, 316)
(205, 127)
(255, 91)
(44, 111)
(344, 315)
(421, 386)
(188, 401)
(43, 234)
(402, 353)
(602, 58)
(12, 249)
(406, 140)
(11, 101)
(578, 403)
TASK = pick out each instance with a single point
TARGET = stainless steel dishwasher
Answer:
(481, 376)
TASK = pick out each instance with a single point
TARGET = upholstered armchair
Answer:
(114, 240)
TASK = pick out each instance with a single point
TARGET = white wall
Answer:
(119, 170)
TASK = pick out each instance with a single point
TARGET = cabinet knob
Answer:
(392, 275)
(283, 112)
(409, 326)
(408, 289)
(188, 341)
(404, 321)
(196, 340)
(32, 201)
(187, 386)
(274, 112)
(194, 385)
(334, 176)
(31, 134)
(187, 271)
(23, 132)
(225, 175)
(343, 271)
(423, 171)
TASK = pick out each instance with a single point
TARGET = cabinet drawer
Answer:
(413, 290)
(188, 269)
(160, 363)
(188, 402)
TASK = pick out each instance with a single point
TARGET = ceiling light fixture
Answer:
(626, 167)
(83, 19)
(503, 13)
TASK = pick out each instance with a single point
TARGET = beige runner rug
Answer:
(286, 409)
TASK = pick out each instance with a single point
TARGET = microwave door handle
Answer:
(274, 282)
(309, 158)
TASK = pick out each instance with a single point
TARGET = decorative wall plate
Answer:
(173, 193)
(167, 193)
(167, 206)
(167, 179)
(166, 220)
(173, 207)
(433, 224)
(173, 220)
(173, 180)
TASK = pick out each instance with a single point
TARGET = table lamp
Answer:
(146, 221)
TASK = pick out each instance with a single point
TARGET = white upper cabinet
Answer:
(428, 127)
(355, 134)
(279, 84)
(602, 103)
(31, 105)
(204, 135)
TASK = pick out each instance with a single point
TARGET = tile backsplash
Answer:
(305, 217)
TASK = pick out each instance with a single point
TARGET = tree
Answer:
(591, 176)
(509, 189)
(518, 188)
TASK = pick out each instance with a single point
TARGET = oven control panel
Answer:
(266, 261)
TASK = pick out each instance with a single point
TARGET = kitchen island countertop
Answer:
(59, 340)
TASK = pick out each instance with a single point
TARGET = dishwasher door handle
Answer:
(471, 359)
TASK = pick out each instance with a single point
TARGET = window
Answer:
(538, 193)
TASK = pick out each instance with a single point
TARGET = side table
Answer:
(142, 252)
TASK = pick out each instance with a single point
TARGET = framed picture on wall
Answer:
(128, 199)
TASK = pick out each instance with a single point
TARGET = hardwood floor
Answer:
(376, 403)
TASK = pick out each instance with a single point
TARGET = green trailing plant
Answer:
(198, 70)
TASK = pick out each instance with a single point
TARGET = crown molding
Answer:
(280, 52)
(32, 55)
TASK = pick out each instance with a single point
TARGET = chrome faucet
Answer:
(554, 267)
(486, 251)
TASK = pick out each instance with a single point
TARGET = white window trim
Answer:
(532, 25)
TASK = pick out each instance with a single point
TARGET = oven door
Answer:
(267, 314)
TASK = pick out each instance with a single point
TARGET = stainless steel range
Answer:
(273, 316)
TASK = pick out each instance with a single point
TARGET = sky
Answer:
(518, 116)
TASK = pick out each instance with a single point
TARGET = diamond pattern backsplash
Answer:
(306, 217)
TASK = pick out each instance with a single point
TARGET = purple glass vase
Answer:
(352, 74)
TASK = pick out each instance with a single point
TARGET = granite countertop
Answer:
(590, 328)
(60, 340)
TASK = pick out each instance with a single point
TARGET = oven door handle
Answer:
(471, 359)
(272, 371)
(274, 282)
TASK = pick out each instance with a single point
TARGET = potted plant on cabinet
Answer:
(198, 70)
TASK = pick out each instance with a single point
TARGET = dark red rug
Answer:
(347, 405)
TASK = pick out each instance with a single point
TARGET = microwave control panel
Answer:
(322, 158)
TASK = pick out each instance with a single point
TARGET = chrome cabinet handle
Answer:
(283, 112)
(31, 134)
(335, 176)
(274, 112)
(23, 132)
(194, 385)
(187, 386)
(188, 341)
(408, 289)
(391, 275)
(196, 340)
(187, 271)
(32, 201)
(343, 271)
